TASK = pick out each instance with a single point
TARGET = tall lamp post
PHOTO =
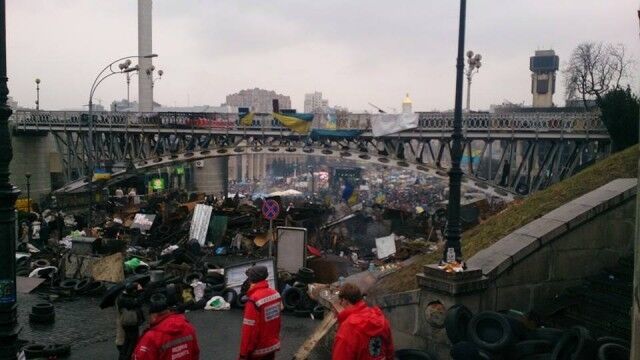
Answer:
(37, 94)
(474, 63)
(9, 327)
(452, 251)
(102, 75)
(28, 176)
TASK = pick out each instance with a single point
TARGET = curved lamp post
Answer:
(108, 71)
(474, 63)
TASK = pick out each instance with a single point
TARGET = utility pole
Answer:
(9, 327)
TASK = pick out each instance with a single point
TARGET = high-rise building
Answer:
(258, 100)
(543, 65)
(315, 103)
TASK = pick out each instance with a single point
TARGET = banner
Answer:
(385, 124)
(247, 120)
(300, 123)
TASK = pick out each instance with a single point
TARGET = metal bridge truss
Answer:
(513, 152)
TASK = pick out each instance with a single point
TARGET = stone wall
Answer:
(533, 263)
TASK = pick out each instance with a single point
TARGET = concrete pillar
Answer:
(35, 155)
(145, 75)
(212, 178)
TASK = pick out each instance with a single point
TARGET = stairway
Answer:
(602, 304)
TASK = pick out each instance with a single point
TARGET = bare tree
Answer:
(595, 68)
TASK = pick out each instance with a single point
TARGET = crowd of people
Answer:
(363, 331)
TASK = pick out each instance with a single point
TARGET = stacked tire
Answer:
(39, 351)
(492, 335)
(42, 314)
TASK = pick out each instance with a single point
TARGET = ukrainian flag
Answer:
(101, 174)
(300, 123)
(247, 120)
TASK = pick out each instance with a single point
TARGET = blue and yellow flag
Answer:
(247, 120)
(300, 123)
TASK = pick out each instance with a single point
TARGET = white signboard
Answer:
(235, 275)
(200, 223)
(292, 248)
(386, 246)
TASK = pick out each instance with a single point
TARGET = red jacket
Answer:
(363, 334)
(170, 337)
(261, 323)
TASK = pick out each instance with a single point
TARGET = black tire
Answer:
(217, 287)
(306, 275)
(141, 269)
(613, 351)
(524, 349)
(69, 284)
(23, 272)
(57, 350)
(546, 356)
(229, 295)
(42, 318)
(318, 312)
(189, 278)
(552, 335)
(41, 263)
(612, 339)
(82, 286)
(292, 297)
(456, 323)
(575, 344)
(43, 309)
(34, 351)
(413, 354)
(240, 301)
(490, 331)
(96, 288)
(214, 279)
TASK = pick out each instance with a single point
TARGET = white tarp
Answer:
(292, 248)
(385, 124)
(200, 223)
(386, 246)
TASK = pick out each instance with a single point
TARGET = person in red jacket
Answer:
(363, 331)
(261, 323)
(170, 336)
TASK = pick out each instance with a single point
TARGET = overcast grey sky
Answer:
(355, 52)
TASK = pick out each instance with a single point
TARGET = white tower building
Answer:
(145, 74)
(407, 105)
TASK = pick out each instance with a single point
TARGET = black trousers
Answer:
(130, 341)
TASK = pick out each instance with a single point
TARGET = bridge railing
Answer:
(221, 122)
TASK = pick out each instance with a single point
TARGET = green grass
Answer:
(623, 164)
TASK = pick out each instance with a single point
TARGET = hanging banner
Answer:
(385, 124)
(200, 223)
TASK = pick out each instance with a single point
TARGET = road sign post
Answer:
(270, 211)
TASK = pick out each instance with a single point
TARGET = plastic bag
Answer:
(217, 303)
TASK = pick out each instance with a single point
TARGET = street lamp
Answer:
(9, 326)
(154, 79)
(452, 251)
(37, 94)
(474, 64)
(102, 75)
(28, 176)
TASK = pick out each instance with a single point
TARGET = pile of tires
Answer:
(42, 314)
(39, 351)
(493, 335)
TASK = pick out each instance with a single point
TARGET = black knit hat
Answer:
(158, 303)
(257, 273)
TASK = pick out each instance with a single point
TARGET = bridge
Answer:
(504, 153)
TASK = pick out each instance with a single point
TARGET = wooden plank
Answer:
(307, 347)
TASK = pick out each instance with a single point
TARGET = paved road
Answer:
(91, 331)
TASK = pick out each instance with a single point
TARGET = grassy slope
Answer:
(623, 164)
